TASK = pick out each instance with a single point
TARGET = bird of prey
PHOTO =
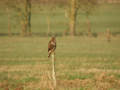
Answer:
(51, 46)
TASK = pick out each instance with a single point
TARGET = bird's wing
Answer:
(51, 45)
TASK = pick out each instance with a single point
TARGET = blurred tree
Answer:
(49, 6)
(87, 7)
(6, 5)
(108, 35)
(48, 21)
(27, 16)
(71, 11)
(21, 8)
(73, 16)
(9, 24)
(24, 12)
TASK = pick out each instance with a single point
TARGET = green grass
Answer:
(81, 63)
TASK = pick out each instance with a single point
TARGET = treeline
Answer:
(22, 8)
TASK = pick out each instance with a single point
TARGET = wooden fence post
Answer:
(53, 70)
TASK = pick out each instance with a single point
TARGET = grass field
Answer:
(82, 63)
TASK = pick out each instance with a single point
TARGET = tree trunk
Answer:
(23, 32)
(108, 35)
(26, 17)
(66, 23)
(9, 25)
(29, 17)
(53, 70)
(22, 22)
(73, 14)
(89, 27)
(48, 23)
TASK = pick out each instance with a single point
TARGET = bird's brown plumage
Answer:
(51, 46)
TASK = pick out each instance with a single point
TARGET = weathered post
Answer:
(53, 69)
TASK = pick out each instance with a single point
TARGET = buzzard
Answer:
(51, 46)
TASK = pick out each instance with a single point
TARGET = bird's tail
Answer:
(49, 54)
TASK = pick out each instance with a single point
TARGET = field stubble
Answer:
(82, 63)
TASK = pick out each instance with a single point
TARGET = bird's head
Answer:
(53, 38)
